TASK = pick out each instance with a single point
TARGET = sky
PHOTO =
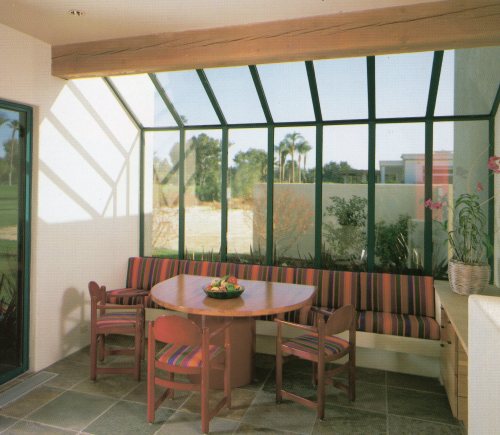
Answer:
(402, 87)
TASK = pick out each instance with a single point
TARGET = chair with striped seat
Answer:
(107, 319)
(320, 346)
(186, 349)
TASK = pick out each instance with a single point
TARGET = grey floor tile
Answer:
(72, 410)
(5, 422)
(420, 383)
(139, 394)
(372, 376)
(29, 427)
(31, 401)
(126, 418)
(186, 423)
(260, 377)
(370, 397)
(246, 428)
(286, 416)
(341, 420)
(265, 361)
(409, 426)
(295, 382)
(68, 374)
(240, 401)
(107, 385)
(421, 405)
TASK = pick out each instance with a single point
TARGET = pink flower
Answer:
(494, 164)
(479, 187)
(433, 205)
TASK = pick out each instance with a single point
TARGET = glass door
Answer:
(15, 173)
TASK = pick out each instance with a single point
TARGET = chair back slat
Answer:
(176, 330)
(341, 320)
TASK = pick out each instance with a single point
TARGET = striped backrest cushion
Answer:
(205, 268)
(404, 294)
(139, 272)
(163, 268)
(335, 288)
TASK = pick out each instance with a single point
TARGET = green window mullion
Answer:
(142, 162)
(370, 242)
(318, 201)
(429, 149)
(182, 190)
(223, 197)
(491, 202)
(270, 196)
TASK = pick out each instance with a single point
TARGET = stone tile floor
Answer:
(386, 403)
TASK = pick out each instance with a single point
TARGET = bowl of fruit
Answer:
(226, 287)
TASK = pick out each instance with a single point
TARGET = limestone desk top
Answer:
(456, 307)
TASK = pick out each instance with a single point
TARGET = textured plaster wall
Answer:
(85, 193)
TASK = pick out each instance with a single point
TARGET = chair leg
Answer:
(151, 382)
(352, 375)
(205, 411)
(279, 374)
(93, 357)
(321, 391)
(137, 355)
(102, 347)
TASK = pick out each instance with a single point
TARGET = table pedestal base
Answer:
(242, 332)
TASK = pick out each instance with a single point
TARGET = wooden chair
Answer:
(320, 346)
(114, 319)
(187, 350)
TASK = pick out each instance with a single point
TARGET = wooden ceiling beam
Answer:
(425, 26)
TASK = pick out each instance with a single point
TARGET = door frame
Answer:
(24, 234)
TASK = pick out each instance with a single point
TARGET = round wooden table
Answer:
(185, 293)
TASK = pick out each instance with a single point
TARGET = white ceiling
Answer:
(50, 21)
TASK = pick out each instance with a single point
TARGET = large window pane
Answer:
(203, 194)
(163, 151)
(399, 197)
(189, 98)
(287, 91)
(342, 87)
(11, 196)
(402, 84)
(144, 100)
(345, 203)
(236, 94)
(247, 195)
(293, 205)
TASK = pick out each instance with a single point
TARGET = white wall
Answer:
(85, 193)
(484, 374)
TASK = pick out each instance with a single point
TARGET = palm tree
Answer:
(15, 128)
(282, 151)
(303, 148)
(292, 141)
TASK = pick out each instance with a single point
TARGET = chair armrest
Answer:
(321, 311)
(296, 325)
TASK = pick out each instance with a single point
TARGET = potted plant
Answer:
(468, 268)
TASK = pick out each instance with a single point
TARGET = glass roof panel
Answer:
(342, 88)
(188, 96)
(470, 80)
(236, 94)
(144, 100)
(444, 100)
(287, 91)
(402, 84)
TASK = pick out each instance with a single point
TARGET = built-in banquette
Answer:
(400, 305)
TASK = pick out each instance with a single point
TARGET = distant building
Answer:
(411, 169)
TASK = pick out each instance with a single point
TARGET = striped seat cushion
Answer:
(121, 319)
(144, 272)
(401, 294)
(405, 325)
(309, 343)
(185, 356)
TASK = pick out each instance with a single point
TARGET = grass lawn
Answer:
(8, 205)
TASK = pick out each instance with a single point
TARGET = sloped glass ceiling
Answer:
(402, 90)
